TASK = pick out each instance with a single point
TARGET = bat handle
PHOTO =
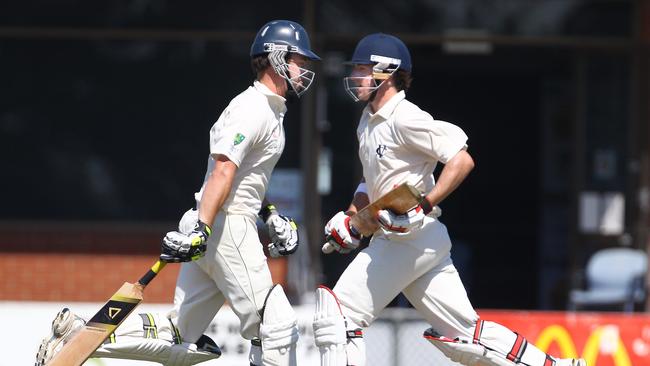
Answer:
(152, 272)
(354, 232)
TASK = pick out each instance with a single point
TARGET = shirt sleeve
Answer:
(235, 133)
(438, 139)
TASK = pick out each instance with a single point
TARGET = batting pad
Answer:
(465, 353)
(329, 329)
(278, 330)
(151, 349)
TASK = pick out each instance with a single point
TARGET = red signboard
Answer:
(602, 339)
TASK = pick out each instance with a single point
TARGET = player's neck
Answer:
(274, 82)
(381, 98)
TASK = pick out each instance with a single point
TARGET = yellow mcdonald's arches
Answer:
(590, 353)
(558, 334)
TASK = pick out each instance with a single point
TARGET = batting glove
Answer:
(404, 223)
(188, 221)
(341, 237)
(178, 247)
(283, 232)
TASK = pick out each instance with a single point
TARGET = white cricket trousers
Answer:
(417, 264)
(234, 268)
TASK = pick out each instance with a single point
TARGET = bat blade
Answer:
(99, 327)
(82, 345)
(399, 200)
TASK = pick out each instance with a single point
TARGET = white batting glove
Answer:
(283, 232)
(401, 223)
(188, 221)
(341, 237)
(178, 247)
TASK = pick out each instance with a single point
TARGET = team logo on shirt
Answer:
(381, 150)
(238, 139)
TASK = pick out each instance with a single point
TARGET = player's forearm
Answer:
(217, 189)
(359, 201)
(452, 175)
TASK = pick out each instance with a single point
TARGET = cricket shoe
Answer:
(64, 326)
(570, 362)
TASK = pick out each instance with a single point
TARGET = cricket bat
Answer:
(399, 200)
(82, 345)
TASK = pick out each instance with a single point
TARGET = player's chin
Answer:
(363, 96)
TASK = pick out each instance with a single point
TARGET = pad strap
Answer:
(267, 211)
(477, 331)
(150, 330)
(354, 333)
(549, 361)
(176, 334)
(518, 349)
(111, 339)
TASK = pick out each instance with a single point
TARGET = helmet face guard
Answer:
(298, 78)
(382, 69)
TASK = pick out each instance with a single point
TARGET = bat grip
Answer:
(151, 273)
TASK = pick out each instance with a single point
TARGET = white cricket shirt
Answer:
(402, 143)
(250, 133)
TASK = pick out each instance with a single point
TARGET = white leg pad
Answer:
(510, 345)
(278, 330)
(495, 345)
(145, 349)
(153, 337)
(466, 353)
(339, 342)
(187, 354)
(355, 348)
(156, 350)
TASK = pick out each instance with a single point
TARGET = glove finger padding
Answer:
(401, 223)
(340, 235)
(179, 247)
(331, 247)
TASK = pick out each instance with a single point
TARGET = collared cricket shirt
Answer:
(250, 133)
(402, 143)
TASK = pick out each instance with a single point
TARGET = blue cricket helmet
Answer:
(282, 34)
(382, 48)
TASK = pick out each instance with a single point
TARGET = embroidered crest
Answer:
(381, 150)
(238, 139)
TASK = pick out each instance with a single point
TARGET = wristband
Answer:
(361, 188)
(267, 211)
(426, 206)
(203, 227)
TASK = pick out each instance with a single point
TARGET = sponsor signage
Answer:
(602, 339)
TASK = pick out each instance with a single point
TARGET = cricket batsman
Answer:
(410, 253)
(223, 259)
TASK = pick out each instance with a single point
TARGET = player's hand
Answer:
(188, 221)
(283, 232)
(341, 237)
(179, 247)
(401, 223)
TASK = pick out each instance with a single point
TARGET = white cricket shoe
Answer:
(64, 326)
(570, 362)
